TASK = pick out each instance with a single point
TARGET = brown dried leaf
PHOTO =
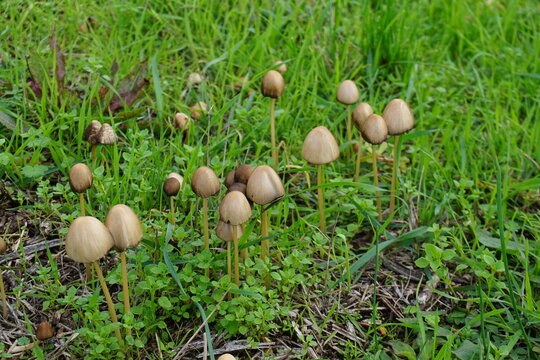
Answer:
(60, 72)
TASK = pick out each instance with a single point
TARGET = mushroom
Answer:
(272, 87)
(229, 179)
(205, 183)
(91, 135)
(234, 209)
(242, 173)
(126, 231)
(282, 67)
(3, 249)
(87, 241)
(320, 147)
(106, 136)
(237, 186)
(195, 79)
(347, 94)
(359, 115)
(399, 119)
(224, 231)
(171, 187)
(226, 357)
(198, 110)
(44, 331)
(264, 187)
(80, 180)
(374, 131)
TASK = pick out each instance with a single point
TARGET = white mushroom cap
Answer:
(347, 93)
(124, 227)
(88, 240)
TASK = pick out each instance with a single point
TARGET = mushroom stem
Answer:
(173, 217)
(349, 132)
(320, 195)
(376, 182)
(358, 160)
(273, 132)
(236, 255)
(3, 294)
(206, 234)
(81, 201)
(125, 286)
(394, 175)
(107, 295)
(229, 261)
(264, 243)
(94, 155)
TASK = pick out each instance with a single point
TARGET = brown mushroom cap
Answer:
(44, 331)
(181, 121)
(347, 93)
(91, 132)
(398, 116)
(205, 182)
(177, 176)
(224, 231)
(320, 146)
(282, 66)
(106, 135)
(272, 84)
(80, 178)
(360, 114)
(124, 226)
(374, 129)
(264, 185)
(238, 187)
(3, 247)
(198, 110)
(243, 172)
(88, 240)
(234, 208)
(171, 186)
(226, 357)
(229, 179)
(195, 79)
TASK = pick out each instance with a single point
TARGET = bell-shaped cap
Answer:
(272, 84)
(320, 146)
(229, 179)
(264, 186)
(234, 208)
(398, 116)
(226, 357)
(91, 132)
(360, 114)
(181, 121)
(347, 93)
(238, 187)
(282, 66)
(171, 186)
(44, 331)
(106, 135)
(80, 178)
(242, 173)
(224, 231)
(198, 110)
(124, 227)
(3, 246)
(177, 176)
(374, 129)
(88, 240)
(205, 182)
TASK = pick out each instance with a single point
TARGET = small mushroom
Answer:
(229, 179)
(226, 357)
(44, 331)
(273, 85)
(171, 186)
(3, 249)
(375, 132)
(360, 114)
(80, 180)
(198, 110)
(242, 173)
(234, 209)
(238, 187)
(106, 135)
(399, 119)
(282, 66)
(181, 121)
(195, 79)
(178, 177)
(91, 135)
(320, 147)
(347, 94)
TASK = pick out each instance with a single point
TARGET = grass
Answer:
(470, 72)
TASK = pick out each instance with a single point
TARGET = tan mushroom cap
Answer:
(44, 331)
(181, 121)
(347, 93)
(226, 357)
(320, 146)
(224, 231)
(242, 173)
(3, 247)
(272, 84)
(198, 110)
(124, 227)
(398, 116)
(264, 185)
(91, 132)
(374, 129)
(195, 79)
(171, 186)
(80, 178)
(106, 135)
(234, 208)
(229, 179)
(205, 182)
(177, 176)
(88, 240)
(360, 114)
(282, 66)
(238, 187)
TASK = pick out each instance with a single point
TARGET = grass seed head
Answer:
(272, 84)
(264, 186)
(347, 93)
(320, 146)
(204, 182)
(80, 178)
(360, 114)
(374, 129)
(398, 116)
(234, 208)
(88, 240)
(124, 226)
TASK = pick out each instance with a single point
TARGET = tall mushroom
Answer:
(360, 114)
(91, 135)
(224, 231)
(375, 132)
(347, 94)
(320, 147)
(205, 183)
(3, 248)
(264, 187)
(399, 119)
(273, 85)
(126, 231)
(80, 180)
(234, 209)
(87, 241)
